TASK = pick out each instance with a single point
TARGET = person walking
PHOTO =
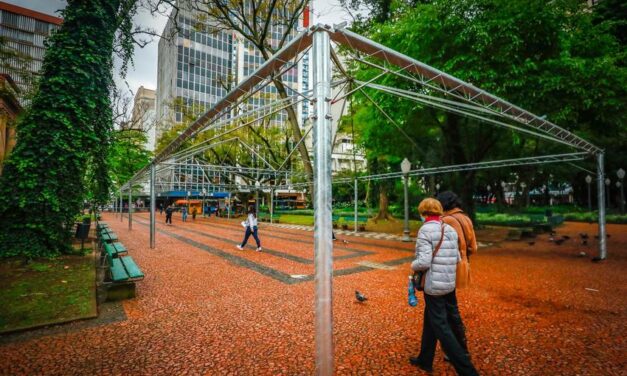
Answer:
(168, 215)
(194, 211)
(455, 217)
(437, 255)
(251, 228)
(184, 214)
(160, 209)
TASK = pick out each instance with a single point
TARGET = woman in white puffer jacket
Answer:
(436, 237)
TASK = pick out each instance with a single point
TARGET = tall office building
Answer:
(197, 66)
(24, 32)
(143, 117)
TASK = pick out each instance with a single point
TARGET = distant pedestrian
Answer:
(160, 209)
(168, 215)
(184, 214)
(251, 229)
(437, 254)
(194, 211)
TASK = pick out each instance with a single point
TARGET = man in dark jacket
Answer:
(168, 215)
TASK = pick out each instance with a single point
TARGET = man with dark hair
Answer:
(455, 217)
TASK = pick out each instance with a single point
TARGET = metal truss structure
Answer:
(430, 87)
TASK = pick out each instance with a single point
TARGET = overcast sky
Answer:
(145, 70)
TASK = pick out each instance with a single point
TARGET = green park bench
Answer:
(265, 217)
(349, 219)
(122, 274)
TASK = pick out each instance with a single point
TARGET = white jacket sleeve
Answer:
(424, 252)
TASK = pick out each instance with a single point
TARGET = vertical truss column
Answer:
(323, 243)
(121, 206)
(355, 199)
(601, 204)
(130, 205)
(153, 206)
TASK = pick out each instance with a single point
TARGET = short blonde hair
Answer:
(430, 206)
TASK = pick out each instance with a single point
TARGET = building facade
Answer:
(24, 32)
(198, 65)
(144, 115)
(9, 109)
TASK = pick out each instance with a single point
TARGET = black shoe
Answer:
(415, 361)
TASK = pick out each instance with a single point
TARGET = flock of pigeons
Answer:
(583, 237)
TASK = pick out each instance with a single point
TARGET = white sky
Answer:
(144, 73)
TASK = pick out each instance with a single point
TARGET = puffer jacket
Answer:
(440, 278)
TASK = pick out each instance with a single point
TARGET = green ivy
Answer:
(63, 140)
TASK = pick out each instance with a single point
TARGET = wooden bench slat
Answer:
(118, 273)
(119, 247)
(131, 267)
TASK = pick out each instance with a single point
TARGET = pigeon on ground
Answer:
(583, 235)
(582, 254)
(565, 237)
(360, 297)
(584, 242)
(558, 241)
(553, 233)
(531, 243)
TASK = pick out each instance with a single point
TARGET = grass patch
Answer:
(306, 220)
(45, 292)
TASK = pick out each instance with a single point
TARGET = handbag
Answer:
(418, 278)
(462, 275)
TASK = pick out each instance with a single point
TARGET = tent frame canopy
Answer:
(455, 95)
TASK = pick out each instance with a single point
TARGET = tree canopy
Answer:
(550, 58)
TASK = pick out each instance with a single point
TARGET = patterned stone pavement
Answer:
(207, 308)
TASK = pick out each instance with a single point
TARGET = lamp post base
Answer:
(406, 237)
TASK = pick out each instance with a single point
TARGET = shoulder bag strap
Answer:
(465, 237)
(437, 247)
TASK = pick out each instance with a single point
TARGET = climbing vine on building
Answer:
(66, 132)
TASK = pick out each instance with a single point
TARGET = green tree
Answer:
(65, 131)
(127, 155)
(550, 58)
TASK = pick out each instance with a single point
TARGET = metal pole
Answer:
(153, 206)
(323, 243)
(622, 197)
(130, 206)
(228, 212)
(601, 201)
(406, 237)
(271, 204)
(257, 202)
(121, 206)
(355, 200)
(589, 199)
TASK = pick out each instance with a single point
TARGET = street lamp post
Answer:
(523, 185)
(437, 189)
(405, 168)
(188, 197)
(503, 185)
(204, 197)
(607, 191)
(489, 188)
(621, 175)
(588, 181)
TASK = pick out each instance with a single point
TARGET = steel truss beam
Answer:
(554, 158)
(432, 77)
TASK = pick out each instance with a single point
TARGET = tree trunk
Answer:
(384, 204)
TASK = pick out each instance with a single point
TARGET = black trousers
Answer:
(168, 218)
(437, 327)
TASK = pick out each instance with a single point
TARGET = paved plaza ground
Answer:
(207, 308)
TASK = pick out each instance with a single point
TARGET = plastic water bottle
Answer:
(411, 294)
